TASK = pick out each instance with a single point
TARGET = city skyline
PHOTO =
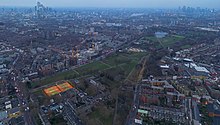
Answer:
(108, 62)
(117, 4)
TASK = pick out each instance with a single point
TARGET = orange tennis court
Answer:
(52, 91)
(64, 86)
(58, 89)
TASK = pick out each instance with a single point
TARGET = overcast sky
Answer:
(116, 3)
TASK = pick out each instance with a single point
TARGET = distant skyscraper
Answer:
(40, 10)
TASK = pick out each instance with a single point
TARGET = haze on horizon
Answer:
(116, 3)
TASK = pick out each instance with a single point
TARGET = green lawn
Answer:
(134, 56)
(105, 118)
(129, 66)
(185, 47)
(83, 70)
(115, 60)
(126, 62)
(178, 36)
(57, 77)
(166, 41)
(151, 38)
(170, 40)
(92, 68)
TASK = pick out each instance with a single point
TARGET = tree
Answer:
(28, 84)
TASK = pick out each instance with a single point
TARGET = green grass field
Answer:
(83, 70)
(126, 62)
(134, 56)
(91, 67)
(185, 47)
(115, 60)
(169, 41)
(103, 115)
(151, 38)
(59, 76)
(129, 66)
(166, 41)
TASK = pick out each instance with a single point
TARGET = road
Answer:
(189, 110)
(70, 114)
(22, 95)
(133, 112)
